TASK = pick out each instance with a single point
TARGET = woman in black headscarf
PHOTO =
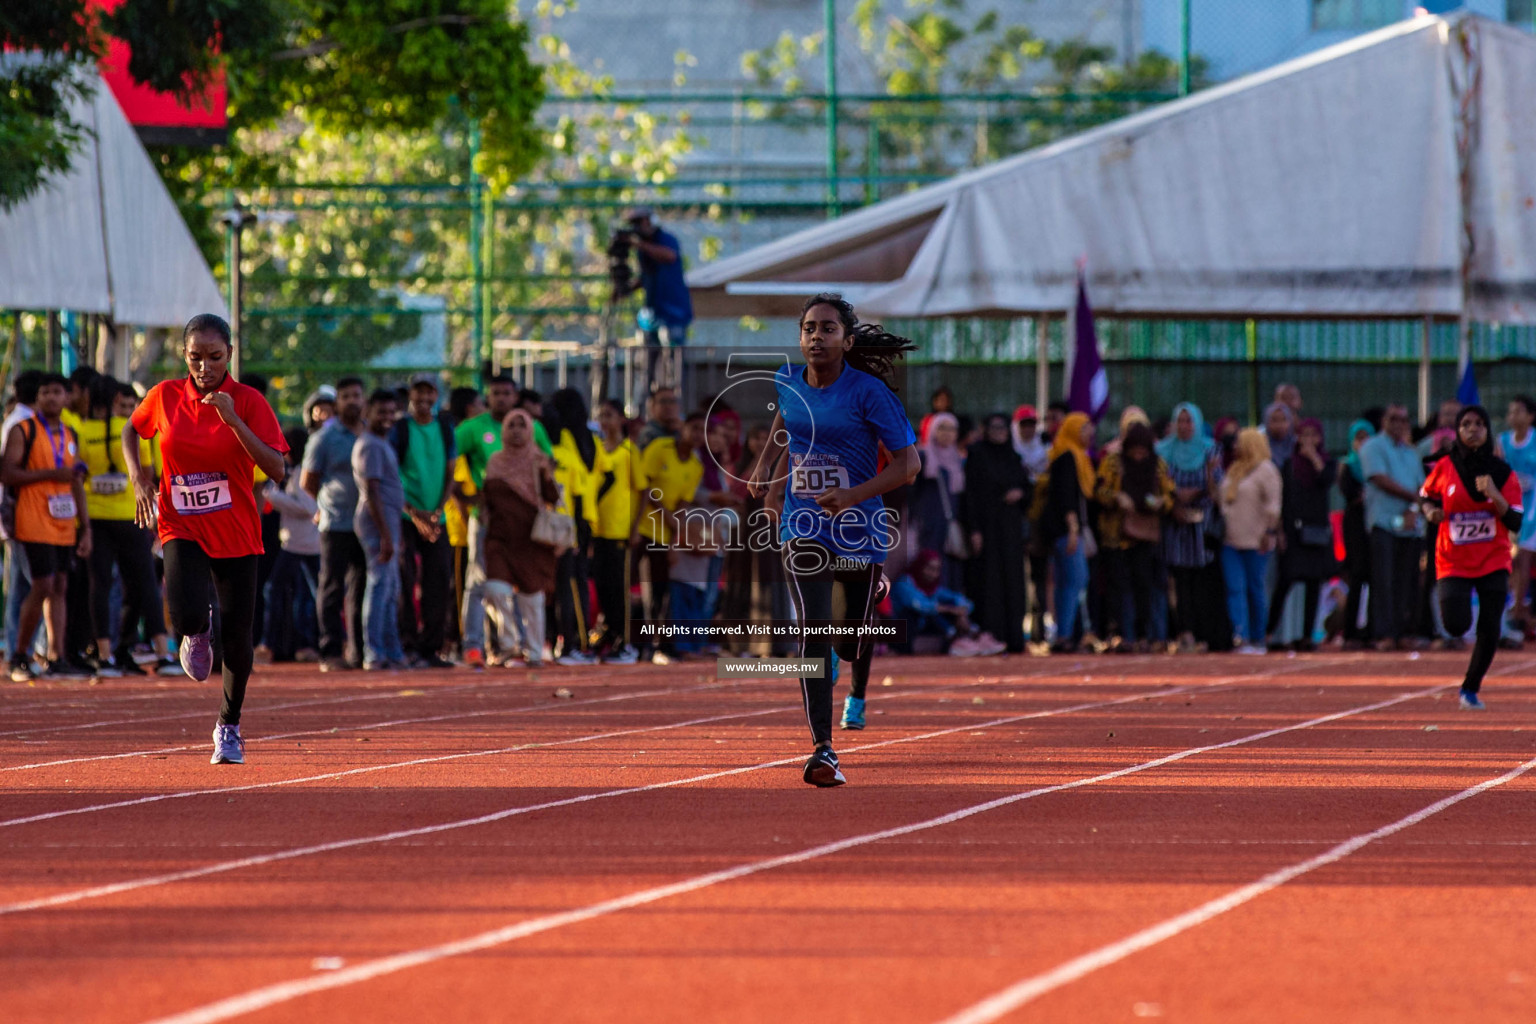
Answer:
(997, 485)
(1474, 498)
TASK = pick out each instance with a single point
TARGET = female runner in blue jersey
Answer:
(833, 413)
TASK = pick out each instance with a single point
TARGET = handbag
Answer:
(956, 544)
(1144, 526)
(554, 529)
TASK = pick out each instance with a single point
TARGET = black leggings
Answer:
(571, 614)
(811, 572)
(610, 571)
(191, 577)
(129, 547)
(1456, 612)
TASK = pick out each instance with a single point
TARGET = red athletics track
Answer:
(1107, 839)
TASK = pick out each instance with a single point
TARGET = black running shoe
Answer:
(61, 668)
(106, 668)
(822, 770)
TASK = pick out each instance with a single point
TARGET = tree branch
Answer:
(323, 46)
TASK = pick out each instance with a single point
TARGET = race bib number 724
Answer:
(197, 494)
(1471, 527)
(815, 474)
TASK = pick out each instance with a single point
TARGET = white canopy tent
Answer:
(106, 237)
(1390, 176)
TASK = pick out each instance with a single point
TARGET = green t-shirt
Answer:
(479, 437)
(425, 464)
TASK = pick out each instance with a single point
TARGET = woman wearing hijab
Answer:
(1357, 538)
(1068, 484)
(939, 494)
(996, 484)
(1250, 506)
(1135, 492)
(1129, 417)
(1195, 466)
(519, 571)
(1306, 531)
(1280, 432)
(1474, 497)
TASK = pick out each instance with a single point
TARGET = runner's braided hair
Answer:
(875, 350)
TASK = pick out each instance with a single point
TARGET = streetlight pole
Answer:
(235, 219)
(829, 12)
(476, 244)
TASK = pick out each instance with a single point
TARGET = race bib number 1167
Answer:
(197, 494)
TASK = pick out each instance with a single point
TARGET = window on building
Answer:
(1521, 12)
(1357, 14)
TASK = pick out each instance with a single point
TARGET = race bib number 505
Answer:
(196, 494)
(814, 474)
(1471, 527)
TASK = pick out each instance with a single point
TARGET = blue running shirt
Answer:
(833, 436)
(1522, 459)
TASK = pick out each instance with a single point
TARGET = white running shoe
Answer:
(197, 652)
(228, 747)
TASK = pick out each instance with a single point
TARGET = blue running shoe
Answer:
(1472, 702)
(822, 770)
(853, 712)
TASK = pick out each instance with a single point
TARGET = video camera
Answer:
(621, 273)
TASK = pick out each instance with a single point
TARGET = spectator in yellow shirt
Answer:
(575, 457)
(618, 463)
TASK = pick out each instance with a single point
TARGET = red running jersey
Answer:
(206, 484)
(1471, 541)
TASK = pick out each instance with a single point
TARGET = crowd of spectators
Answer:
(424, 528)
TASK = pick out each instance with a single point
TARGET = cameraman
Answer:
(666, 294)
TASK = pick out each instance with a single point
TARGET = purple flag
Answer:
(1466, 392)
(1088, 385)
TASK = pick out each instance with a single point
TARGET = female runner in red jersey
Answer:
(214, 433)
(1475, 498)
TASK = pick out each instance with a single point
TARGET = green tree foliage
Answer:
(365, 223)
(50, 42)
(348, 65)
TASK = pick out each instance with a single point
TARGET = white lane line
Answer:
(211, 687)
(96, 892)
(1016, 995)
(187, 793)
(483, 713)
(281, 992)
(391, 723)
(103, 724)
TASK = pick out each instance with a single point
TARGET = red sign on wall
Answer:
(160, 117)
